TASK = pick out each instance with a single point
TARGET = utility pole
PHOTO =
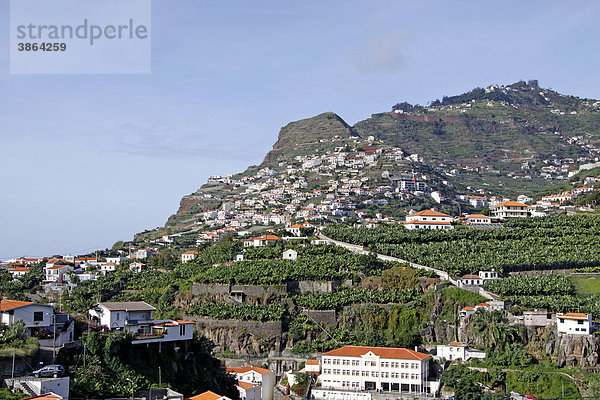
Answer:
(54, 337)
(12, 372)
(159, 377)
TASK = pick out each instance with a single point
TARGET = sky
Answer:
(87, 160)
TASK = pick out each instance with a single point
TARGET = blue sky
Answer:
(86, 160)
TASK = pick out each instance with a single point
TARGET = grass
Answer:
(26, 350)
(586, 285)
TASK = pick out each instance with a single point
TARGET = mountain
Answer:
(500, 140)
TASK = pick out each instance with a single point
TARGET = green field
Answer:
(586, 285)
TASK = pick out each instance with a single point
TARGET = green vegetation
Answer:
(271, 312)
(344, 296)
(556, 242)
(531, 285)
(110, 360)
(14, 340)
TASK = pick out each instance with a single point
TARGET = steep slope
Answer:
(308, 136)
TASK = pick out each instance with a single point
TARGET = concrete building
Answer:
(262, 378)
(510, 209)
(574, 323)
(353, 369)
(458, 351)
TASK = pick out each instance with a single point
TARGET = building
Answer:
(478, 219)
(290, 254)
(262, 378)
(537, 318)
(428, 219)
(55, 272)
(574, 323)
(136, 317)
(296, 230)
(189, 256)
(467, 311)
(510, 209)
(261, 241)
(312, 367)
(488, 275)
(35, 316)
(358, 368)
(470, 280)
(18, 272)
(248, 391)
(458, 351)
(208, 395)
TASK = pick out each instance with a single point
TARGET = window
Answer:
(38, 316)
(182, 330)
(118, 316)
(580, 322)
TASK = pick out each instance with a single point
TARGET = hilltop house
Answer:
(477, 280)
(510, 209)
(350, 370)
(574, 323)
(35, 316)
(428, 219)
(296, 230)
(263, 381)
(136, 317)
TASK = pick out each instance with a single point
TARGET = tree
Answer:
(400, 277)
(468, 389)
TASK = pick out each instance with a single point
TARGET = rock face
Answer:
(242, 337)
(572, 350)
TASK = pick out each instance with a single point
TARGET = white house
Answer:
(18, 272)
(428, 219)
(248, 391)
(118, 315)
(136, 317)
(262, 377)
(312, 367)
(115, 260)
(137, 267)
(108, 267)
(458, 351)
(290, 254)
(35, 316)
(510, 209)
(488, 275)
(261, 241)
(189, 256)
(360, 368)
(296, 230)
(56, 272)
(478, 219)
(574, 323)
(144, 253)
(470, 280)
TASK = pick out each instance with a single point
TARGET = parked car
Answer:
(513, 393)
(49, 370)
(530, 397)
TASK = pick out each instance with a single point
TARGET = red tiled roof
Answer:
(312, 362)
(467, 308)
(482, 305)
(510, 204)
(246, 385)
(383, 352)
(417, 222)
(208, 395)
(457, 344)
(191, 252)
(470, 277)
(429, 213)
(243, 370)
(6, 305)
(478, 216)
(573, 316)
(19, 269)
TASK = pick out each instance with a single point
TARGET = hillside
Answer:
(506, 141)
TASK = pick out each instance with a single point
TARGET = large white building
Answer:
(458, 351)
(349, 371)
(574, 323)
(428, 219)
(510, 209)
